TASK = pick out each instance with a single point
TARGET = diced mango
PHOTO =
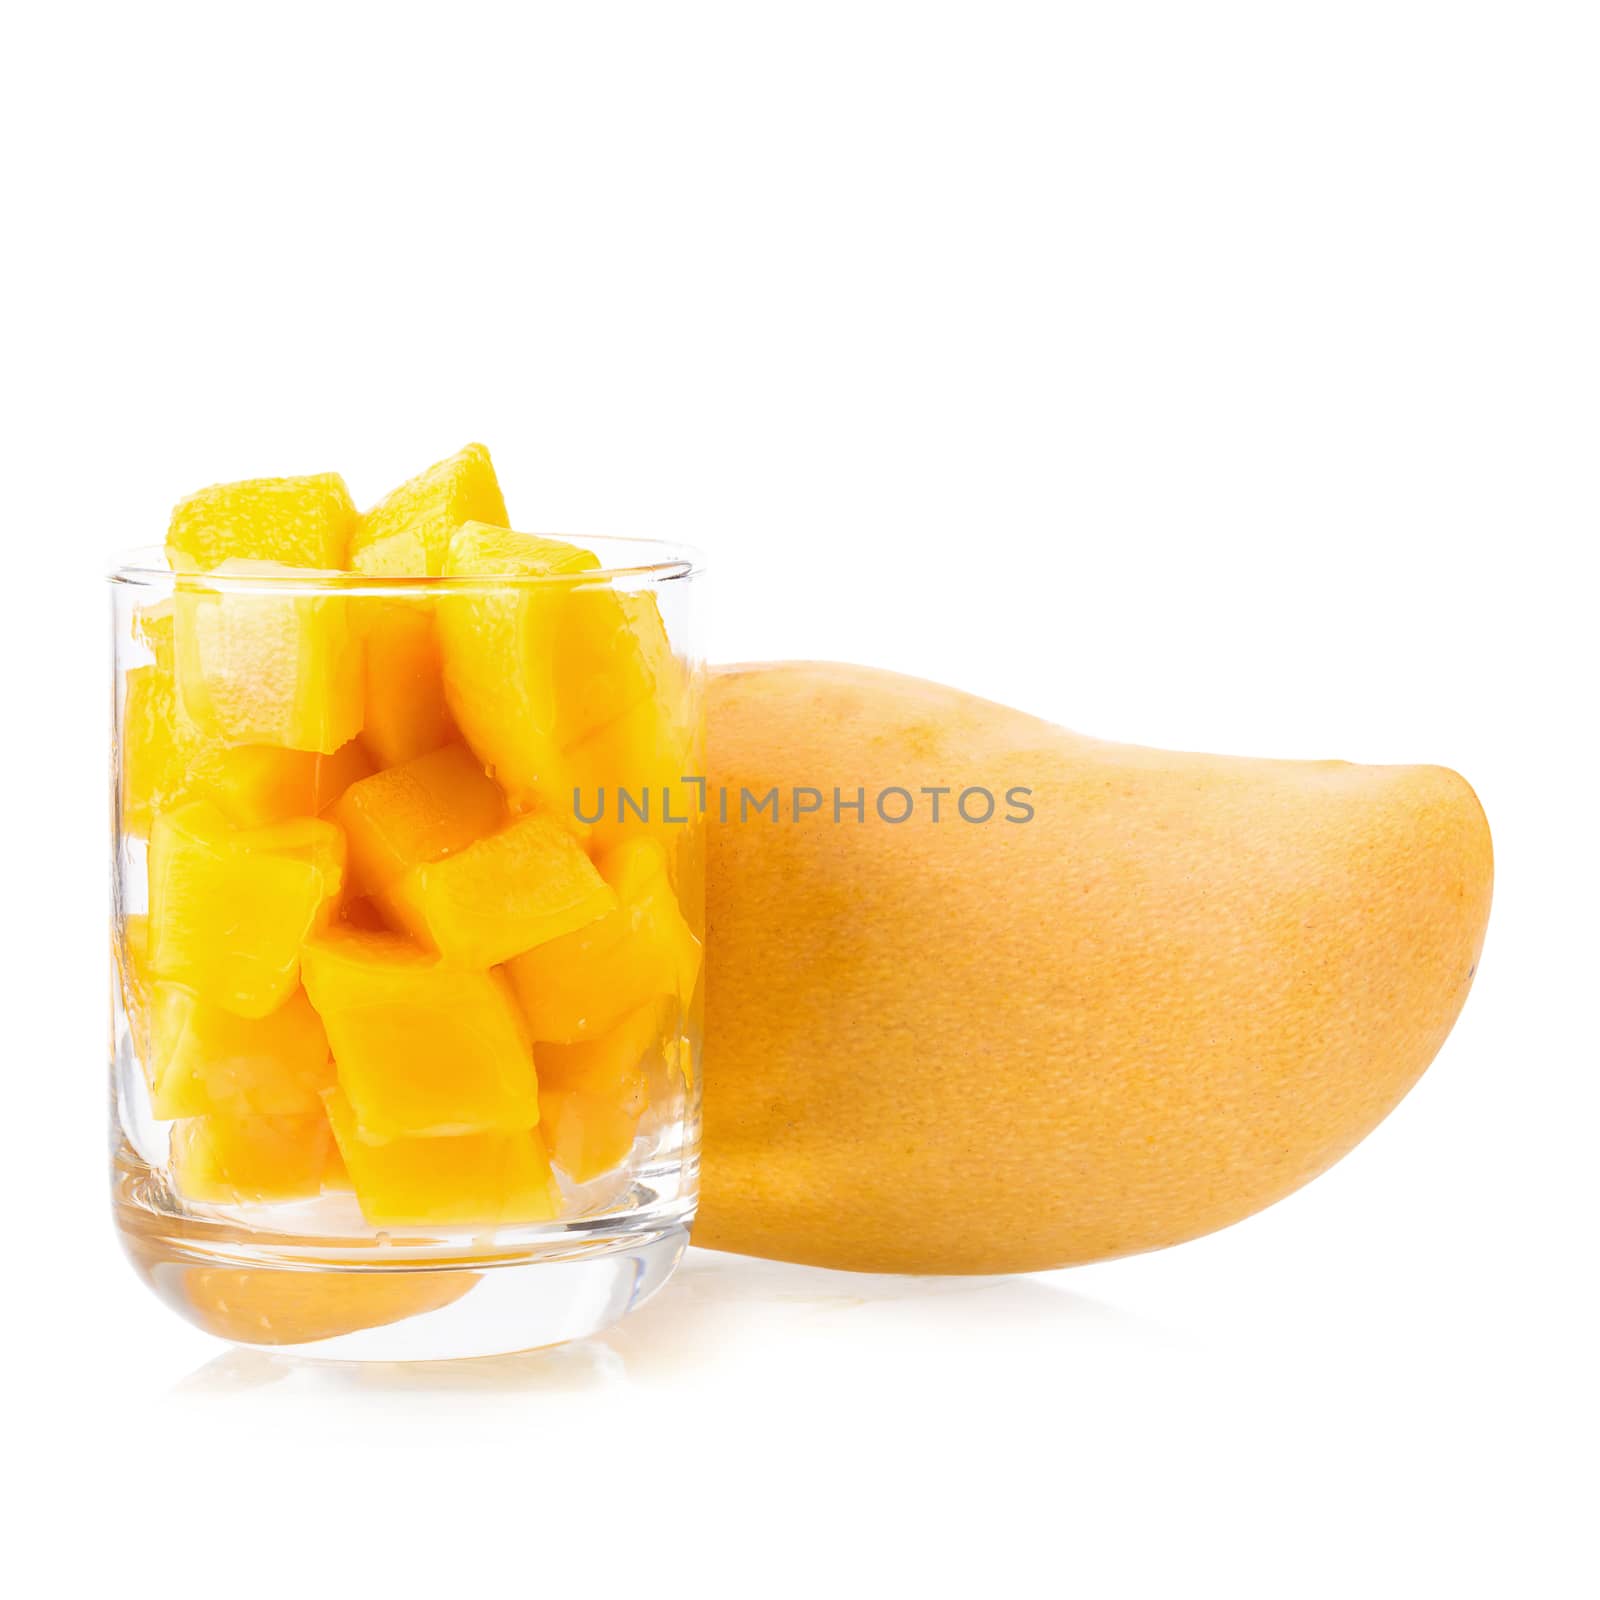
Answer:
(159, 744)
(500, 669)
(610, 1067)
(581, 985)
(204, 1059)
(408, 532)
(268, 665)
(406, 712)
(629, 776)
(230, 907)
(240, 1160)
(422, 1049)
(611, 651)
(301, 522)
(256, 785)
(130, 949)
(585, 1135)
(471, 1180)
(505, 893)
(419, 812)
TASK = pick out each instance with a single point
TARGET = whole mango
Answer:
(1138, 997)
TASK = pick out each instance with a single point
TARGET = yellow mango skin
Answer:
(1186, 987)
(581, 985)
(204, 1059)
(408, 532)
(231, 907)
(421, 811)
(301, 522)
(472, 1180)
(422, 1049)
(500, 895)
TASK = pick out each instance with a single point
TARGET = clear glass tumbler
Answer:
(407, 945)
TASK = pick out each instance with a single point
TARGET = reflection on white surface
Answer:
(715, 1306)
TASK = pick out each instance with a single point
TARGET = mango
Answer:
(499, 895)
(418, 812)
(406, 714)
(231, 907)
(256, 785)
(1176, 988)
(204, 1059)
(407, 534)
(500, 671)
(246, 1160)
(470, 1180)
(421, 1048)
(130, 952)
(159, 745)
(579, 986)
(300, 522)
(268, 665)
(592, 1094)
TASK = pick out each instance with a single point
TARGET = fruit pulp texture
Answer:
(383, 953)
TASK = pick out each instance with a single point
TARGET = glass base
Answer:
(270, 1277)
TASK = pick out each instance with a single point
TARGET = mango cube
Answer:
(419, 812)
(470, 1180)
(505, 893)
(130, 951)
(406, 714)
(422, 1049)
(629, 775)
(243, 1160)
(204, 1059)
(256, 785)
(268, 665)
(500, 670)
(301, 522)
(591, 1095)
(581, 985)
(230, 907)
(408, 532)
(611, 653)
(158, 744)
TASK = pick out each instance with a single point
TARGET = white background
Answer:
(1219, 376)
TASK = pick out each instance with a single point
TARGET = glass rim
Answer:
(146, 566)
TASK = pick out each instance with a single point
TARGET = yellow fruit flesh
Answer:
(420, 812)
(230, 908)
(407, 534)
(475, 1179)
(422, 1049)
(205, 1060)
(335, 880)
(500, 895)
(301, 522)
(264, 665)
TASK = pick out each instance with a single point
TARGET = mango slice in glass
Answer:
(591, 1095)
(230, 907)
(159, 744)
(418, 812)
(611, 653)
(629, 776)
(268, 665)
(408, 532)
(471, 1180)
(406, 714)
(422, 1049)
(130, 950)
(301, 522)
(503, 894)
(242, 1160)
(500, 664)
(585, 1134)
(581, 985)
(256, 785)
(204, 1059)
